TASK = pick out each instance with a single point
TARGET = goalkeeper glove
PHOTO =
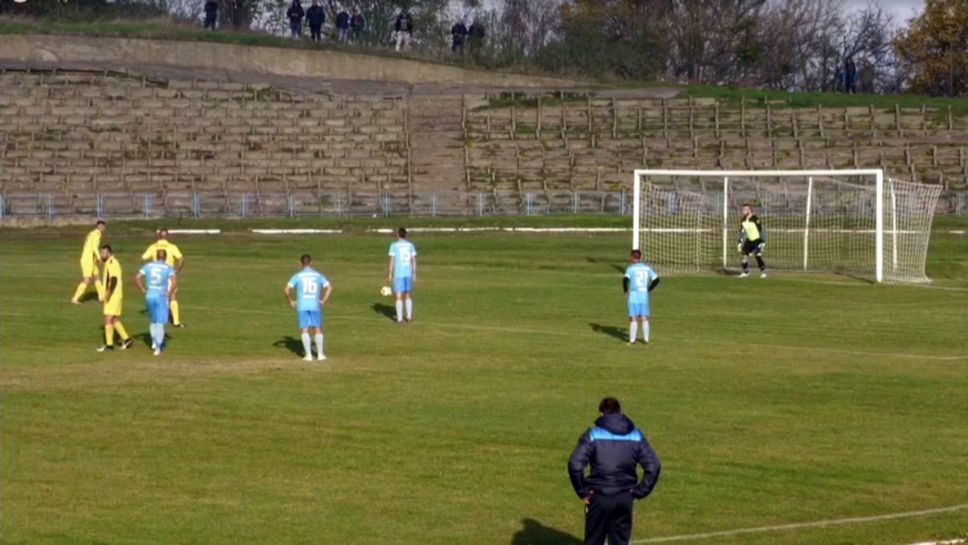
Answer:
(739, 247)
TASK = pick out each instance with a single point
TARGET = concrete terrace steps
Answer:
(436, 139)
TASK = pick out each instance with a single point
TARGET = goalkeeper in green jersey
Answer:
(752, 239)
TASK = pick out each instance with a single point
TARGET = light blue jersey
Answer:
(158, 275)
(402, 252)
(308, 284)
(640, 276)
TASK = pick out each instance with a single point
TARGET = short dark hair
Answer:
(610, 405)
(162, 230)
(402, 233)
(99, 222)
(637, 254)
(305, 259)
(748, 205)
(108, 248)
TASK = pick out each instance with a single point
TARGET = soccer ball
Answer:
(386, 291)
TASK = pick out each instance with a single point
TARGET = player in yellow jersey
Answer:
(113, 300)
(176, 260)
(90, 256)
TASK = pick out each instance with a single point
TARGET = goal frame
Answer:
(725, 175)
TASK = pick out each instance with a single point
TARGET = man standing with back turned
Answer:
(402, 271)
(308, 285)
(174, 259)
(158, 293)
(638, 281)
(613, 448)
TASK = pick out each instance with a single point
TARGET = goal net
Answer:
(851, 222)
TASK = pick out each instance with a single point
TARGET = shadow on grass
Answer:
(386, 310)
(291, 344)
(618, 267)
(611, 331)
(145, 338)
(535, 533)
(88, 296)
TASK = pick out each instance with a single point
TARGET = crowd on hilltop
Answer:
(350, 24)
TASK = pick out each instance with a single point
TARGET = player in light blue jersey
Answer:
(639, 280)
(402, 271)
(308, 285)
(160, 287)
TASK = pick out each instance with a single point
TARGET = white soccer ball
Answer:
(386, 291)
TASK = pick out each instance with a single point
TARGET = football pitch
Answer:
(826, 406)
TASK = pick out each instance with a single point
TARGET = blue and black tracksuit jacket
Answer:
(613, 449)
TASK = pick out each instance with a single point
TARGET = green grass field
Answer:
(788, 400)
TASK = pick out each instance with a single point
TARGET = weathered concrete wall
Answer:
(69, 136)
(556, 146)
(72, 136)
(323, 64)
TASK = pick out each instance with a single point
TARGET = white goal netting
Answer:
(854, 223)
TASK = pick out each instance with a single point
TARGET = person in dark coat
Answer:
(850, 76)
(613, 448)
(357, 24)
(475, 39)
(316, 16)
(343, 25)
(459, 33)
(295, 13)
(403, 28)
(211, 14)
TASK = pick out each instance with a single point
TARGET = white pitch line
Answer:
(297, 231)
(802, 525)
(195, 231)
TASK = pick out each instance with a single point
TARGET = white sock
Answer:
(153, 328)
(409, 304)
(160, 334)
(645, 330)
(307, 345)
(319, 344)
(633, 330)
(399, 310)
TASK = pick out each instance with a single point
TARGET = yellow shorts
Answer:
(89, 268)
(112, 307)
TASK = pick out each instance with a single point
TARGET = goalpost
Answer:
(853, 222)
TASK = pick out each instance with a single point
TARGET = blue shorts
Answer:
(402, 284)
(638, 309)
(157, 309)
(310, 318)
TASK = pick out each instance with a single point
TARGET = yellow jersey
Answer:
(112, 269)
(92, 246)
(174, 254)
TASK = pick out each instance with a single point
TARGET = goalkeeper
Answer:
(752, 239)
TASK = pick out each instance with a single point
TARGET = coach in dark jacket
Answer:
(613, 448)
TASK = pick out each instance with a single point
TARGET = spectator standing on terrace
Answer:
(403, 29)
(211, 14)
(459, 33)
(475, 39)
(295, 13)
(850, 76)
(343, 25)
(316, 16)
(357, 23)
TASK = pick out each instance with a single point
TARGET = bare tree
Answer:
(706, 34)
